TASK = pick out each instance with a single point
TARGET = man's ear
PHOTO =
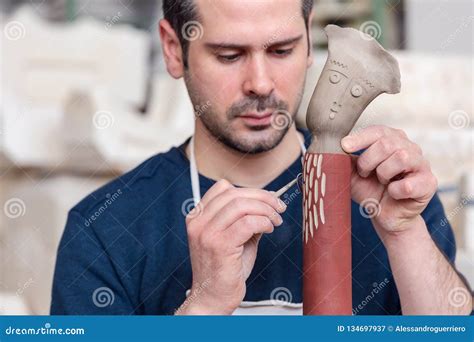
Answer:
(310, 39)
(172, 50)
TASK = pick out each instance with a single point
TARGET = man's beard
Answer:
(282, 120)
(230, 138)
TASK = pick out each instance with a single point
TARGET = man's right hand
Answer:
(223, 235)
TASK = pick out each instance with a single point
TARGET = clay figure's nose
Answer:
(335, 107)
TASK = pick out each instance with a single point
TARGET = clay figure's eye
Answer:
(356, 90)
(335, 78)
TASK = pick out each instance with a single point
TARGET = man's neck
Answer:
(218, 161)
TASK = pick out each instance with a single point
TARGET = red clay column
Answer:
(327, 266)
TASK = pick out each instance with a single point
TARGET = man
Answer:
(240, 248)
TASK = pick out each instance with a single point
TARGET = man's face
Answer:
(246, 73)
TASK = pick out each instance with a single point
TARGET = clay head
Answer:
(357, 70)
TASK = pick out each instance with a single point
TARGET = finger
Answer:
(419, 186)
(218, 188)
(248, 227)
(240, 207)
(367, 136)
(225, 197)
(215, 190)
(381, 150)
(400, 162)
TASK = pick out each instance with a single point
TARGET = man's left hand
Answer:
(391, 178)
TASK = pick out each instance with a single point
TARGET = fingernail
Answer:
(281, 206)
(347, 143)
(280, 220)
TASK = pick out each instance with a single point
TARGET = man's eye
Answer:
(282, 52)
(229, 58)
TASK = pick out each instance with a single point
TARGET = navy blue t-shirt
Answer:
(124, 249)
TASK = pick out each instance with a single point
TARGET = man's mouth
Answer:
(257, 119)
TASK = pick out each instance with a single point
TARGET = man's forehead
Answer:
(243, 19)
(249, 7)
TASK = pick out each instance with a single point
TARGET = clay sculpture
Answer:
(357, 70)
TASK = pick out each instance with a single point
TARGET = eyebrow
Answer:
(239, 46)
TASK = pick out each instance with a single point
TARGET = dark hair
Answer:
(180, 12)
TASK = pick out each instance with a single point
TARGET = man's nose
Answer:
(258, 81)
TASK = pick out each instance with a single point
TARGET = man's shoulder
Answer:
(132, 186)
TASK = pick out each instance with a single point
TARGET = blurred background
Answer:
(85, 97)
